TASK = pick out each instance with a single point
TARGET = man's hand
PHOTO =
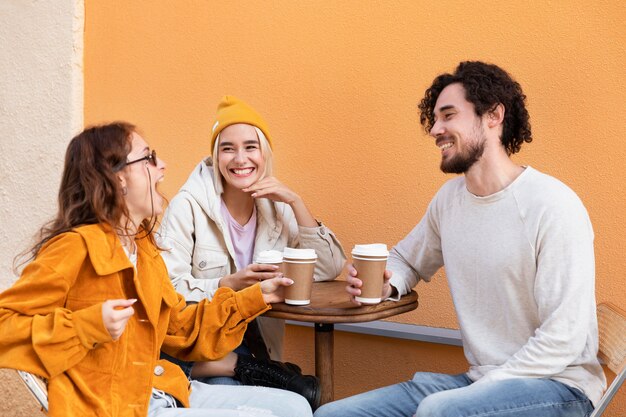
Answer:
(354, 284)
(250, 275)
(115, 315)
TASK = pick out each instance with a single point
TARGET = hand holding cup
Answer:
(370, 262)
(354, 284)
(270, 257)
(273, 289)
(250, 275)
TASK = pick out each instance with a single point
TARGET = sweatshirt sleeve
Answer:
(176, 236)
(565, 296)
(212, 328)
(418, 255)
(39, 335)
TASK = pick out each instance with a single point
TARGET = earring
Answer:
(124, 190)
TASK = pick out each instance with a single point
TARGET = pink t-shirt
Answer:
(242, 237)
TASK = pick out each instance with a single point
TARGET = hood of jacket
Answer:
(201, 187)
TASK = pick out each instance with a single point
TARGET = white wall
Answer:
(41, 108)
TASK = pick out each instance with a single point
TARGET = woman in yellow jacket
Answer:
(94, 307)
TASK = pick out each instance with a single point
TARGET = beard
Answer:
(462, 162)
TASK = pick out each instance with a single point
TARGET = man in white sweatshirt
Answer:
(517, 247)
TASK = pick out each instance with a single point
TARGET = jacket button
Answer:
(159, 370)
(202, 264)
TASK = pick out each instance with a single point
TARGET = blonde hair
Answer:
(266, 152)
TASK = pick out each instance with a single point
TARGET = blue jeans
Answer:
(440, 395)
(229, 401)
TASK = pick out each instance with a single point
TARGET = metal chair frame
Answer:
(37, 386)
(612, 351)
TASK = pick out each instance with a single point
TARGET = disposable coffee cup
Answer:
(370, 262)
(298, 264)
(270, 257)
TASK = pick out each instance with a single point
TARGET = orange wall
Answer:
(339, 83)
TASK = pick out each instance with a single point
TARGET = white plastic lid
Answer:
(293, 253)
(269, 257)
(372, 249)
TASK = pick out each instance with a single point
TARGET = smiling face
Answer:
(140, 179)
(458, 131)
(239, 157)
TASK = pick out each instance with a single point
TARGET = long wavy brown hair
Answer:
(90, 191)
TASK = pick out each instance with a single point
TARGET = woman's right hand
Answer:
(250, 275)
(274, 289)
(115, 315)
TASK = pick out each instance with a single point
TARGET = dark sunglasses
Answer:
(152, 158)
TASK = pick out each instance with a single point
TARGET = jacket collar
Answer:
(105, 248)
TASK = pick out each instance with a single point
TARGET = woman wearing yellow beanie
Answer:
(230, 209)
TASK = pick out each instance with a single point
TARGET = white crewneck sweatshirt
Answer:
(520, 266)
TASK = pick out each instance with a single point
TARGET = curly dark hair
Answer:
(486, 86)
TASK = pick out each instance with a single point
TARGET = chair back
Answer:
(37, 386)
(612, 350)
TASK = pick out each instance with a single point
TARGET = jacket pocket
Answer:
(209, 263)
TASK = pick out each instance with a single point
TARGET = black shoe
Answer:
(269, 373)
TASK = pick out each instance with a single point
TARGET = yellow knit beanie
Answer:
(231, 111)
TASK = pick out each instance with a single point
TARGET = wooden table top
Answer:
(330, 303)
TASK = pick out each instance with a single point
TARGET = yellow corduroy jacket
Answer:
(51, 325)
